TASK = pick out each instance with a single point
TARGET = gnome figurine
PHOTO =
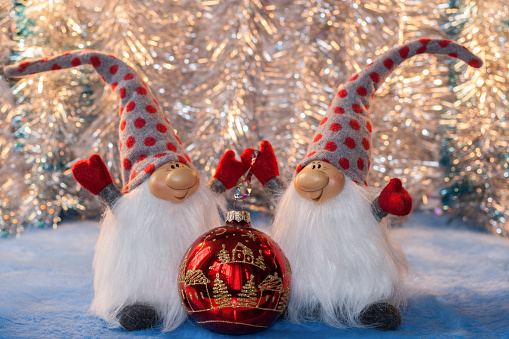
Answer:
(159, 212)
(345, 268)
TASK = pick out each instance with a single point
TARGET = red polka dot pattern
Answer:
(350, 143)
(182, 159)
(130, 106)
(152, 144)
(150, 169)
(361, 90)
(339, 110)
(130, 142)
(331, 146)
(178, 139)
(360, 164)
(421, 50)
(171, 147)
(388, 63)
(335, 127)
(344, 163)
(161, 128)
(444, 43)
(95, 61)
(375, 77)
(403, 51)
(141, 158)
(365, 144)
(299, 168)
(351, 106)
(149, 142)
(139, 123)
(127, 164)
(151, 109)
(347, 122)
(475, 63)
(23, 66)
(357, 108)
(354, 124)
(141, 91)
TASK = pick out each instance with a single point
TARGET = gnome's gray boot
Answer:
(381, 315)
(137, 317)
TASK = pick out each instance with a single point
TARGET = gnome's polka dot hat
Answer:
(343, 137)
(147, 140)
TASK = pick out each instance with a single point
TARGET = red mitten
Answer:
(394, 199)
(229, 170)
(265, 166)
(92, 174)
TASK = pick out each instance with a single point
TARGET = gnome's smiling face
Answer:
(319, 181)
(174, 181)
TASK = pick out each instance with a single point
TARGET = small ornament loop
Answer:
(237, 194)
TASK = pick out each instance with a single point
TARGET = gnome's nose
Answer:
(310, 181)
(181, 178)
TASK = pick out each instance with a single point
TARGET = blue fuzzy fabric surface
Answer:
(458, 287)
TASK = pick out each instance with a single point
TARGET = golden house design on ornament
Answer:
(250, 296)
(194, 277)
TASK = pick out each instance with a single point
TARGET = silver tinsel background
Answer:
(232, 73)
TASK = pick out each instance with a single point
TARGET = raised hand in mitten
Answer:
(92, 174)
(265, 166)
(229, 170)
(394, 199)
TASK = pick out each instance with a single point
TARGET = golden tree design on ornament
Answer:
(224, 255)
(248, 295)
(222, 297)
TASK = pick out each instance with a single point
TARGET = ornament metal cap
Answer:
(238, 216)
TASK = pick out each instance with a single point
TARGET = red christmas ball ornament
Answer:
(235, 279)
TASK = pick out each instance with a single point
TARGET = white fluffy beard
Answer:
(342, 259)
(139, 249)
